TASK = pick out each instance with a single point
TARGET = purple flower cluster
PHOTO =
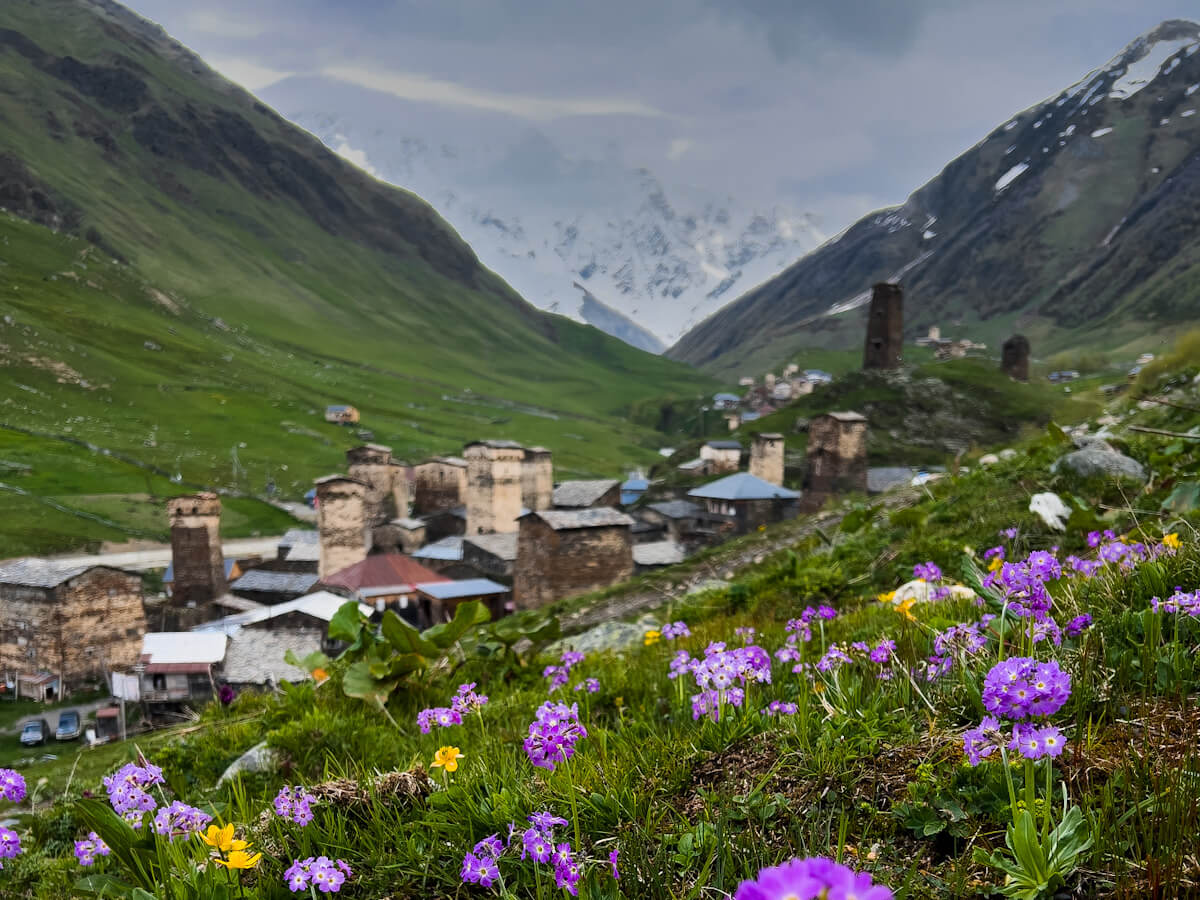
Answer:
(746, 633)
(958, 642)
(1078, 624)
(1020, 689)
(10, 844)
(295, 805)
(89, 848)
(779, 708)
(466, 700)
(927, 571)
(1180, 602)
(816, 878)
(553, 734)
(1031, 741)
(722, 676)
(680, 665)
(322, 873)
(591, 685)
(561, 674)
(536, 843)
(463, 702)
(803, 625)
(12, 785)
(127, 790)
(179, 819)
(673, 630)
(482, 866)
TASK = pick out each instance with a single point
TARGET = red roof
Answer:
(383, 570)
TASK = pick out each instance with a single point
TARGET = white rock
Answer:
(1008, 453)
(258, 758)
(1050, 508)
(918, 590)
(989, 459)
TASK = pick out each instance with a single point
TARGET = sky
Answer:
(836, 107)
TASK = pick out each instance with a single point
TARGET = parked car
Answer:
(69, 726)
(35, 732)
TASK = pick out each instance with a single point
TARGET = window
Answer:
(160, 682)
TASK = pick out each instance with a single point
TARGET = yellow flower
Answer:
(652, 637)
(219, 838)
(889, 597)
(447, 757)
(995, 564)
(320, 675)
(239, 859)
(905, 609)
(1171, 540)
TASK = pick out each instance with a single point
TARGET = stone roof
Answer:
(42, 573)
(456, 461)
(846, 416)
(501, 546)
(658, 553)
(294, 536)
(447, 549)
(595, 517)
(275, 582)
(724, 445)
(174, 647)
(742, 486)
(256, 657)
(582, 493)
(882, 478)
(676, 509)
(496, 445)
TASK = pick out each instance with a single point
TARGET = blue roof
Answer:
(337, 407)
(454, 590)
(724, 396)
(636, 484)
(169, 575)
(742, 486)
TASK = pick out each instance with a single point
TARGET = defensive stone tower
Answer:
(837, 454)
(493, 486)
(766, 458)
(196, 550)
(885, 328)
(537, 479)
(1014, 357)
(341, 523)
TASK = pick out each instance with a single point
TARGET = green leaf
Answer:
(405, 638)
(1185, 497)
(466, 616)
(309, 662)
(104, 886)
(1057, 435)
(358, 682)
(398, 666)
(347, 622)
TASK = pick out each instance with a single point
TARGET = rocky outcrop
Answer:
(1100, 460)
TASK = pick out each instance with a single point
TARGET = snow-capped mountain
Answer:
(559, 225)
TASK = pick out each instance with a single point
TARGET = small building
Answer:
(386, 480)
(537, 478)
(442, 553)
(587, 494)
(76, 622)
(722, 456)
(382, 580)
(268, 587)
(494, 485)
(197, 564)
(310, 615)
(441, 599)
(633, 489)
(725, 401)
(180, 666)
(299, 550)
(656, 555)
(41, 687)
(491, 555)
(340, 414)
(255, 660)
(747, 502)
(680, 518)
(695, 466)
(445, 523)
(837, 454)
(341, 522)
(561, 553)
(399, 536)
(883, 347)
(440, 484)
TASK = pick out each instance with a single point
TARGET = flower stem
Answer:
(574, 805)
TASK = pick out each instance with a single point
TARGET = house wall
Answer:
(837, 456)
(766, 459)
(721, 461)
(676, 528)
(196, 557)
(438, 486)
(488, 564)
(78, 630)
(341, 521)
(493, 488)
(555, 564)
(537, 479)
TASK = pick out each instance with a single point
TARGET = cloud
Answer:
(678, 148)
(222, 25)
(251, 76)
(353, 156)
(426, 89)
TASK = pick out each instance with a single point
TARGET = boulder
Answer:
(259, 758)
(989, 459)
(1100, 459)
(1050, 508)
(919, 591)
(1008, 453)
(614, 636)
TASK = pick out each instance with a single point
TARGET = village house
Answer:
(766, 457)
(340, 414)
(747, 502)
(299, 550)
(233, 571)
(177, 667)
(307, 616)
(72, 622)
(341, 522)
(399, 536)
(440, 484)
(724, 401)
(268, 587)
(650, 556)
(679, 518)
(537, 478)
(440, 600)
(721, 456)
(442, 554)
(386, 480)
(565, 552)
(491, 555)
(584, 494)
(494, 485)
(385, 580)
(633, 489)
(197, 564)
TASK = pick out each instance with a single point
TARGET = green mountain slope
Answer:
(202, 278)
(1075, 222)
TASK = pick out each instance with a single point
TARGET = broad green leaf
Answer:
(1057, 435)
(347, 622)
(1185, 497)
(466, 616)
(360, 684)
(405, 638)
(104, 886)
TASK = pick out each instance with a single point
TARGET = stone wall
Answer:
(537, 479)
(196, 556)
(341, 521)
(721, 461)
(439, 486)
(837, 455)
(555, 564)
(766, 458)
(78, 630)
(493, 488)
(885, 328)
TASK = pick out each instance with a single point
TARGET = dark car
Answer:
(68, 726)
(35, 732)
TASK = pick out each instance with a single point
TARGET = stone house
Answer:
(384, 580)
(747, 502)
(309, 615)
(399, 536)
(299, 550)
(197, 564)
(268, 588)
(440, 483)
(721, 456)
(650, 556)
(537, 478)
(836, 453)
(680, 518)
(442, 554)
(74, 622)
(883, 348)
(585, 494)
(386, 479)
(341, 414)
(341, 522)
(177, 667)
(491, 555)
(439, 601)
(565, 552)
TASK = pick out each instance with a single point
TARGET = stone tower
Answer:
(537, 479)
(766, 458)
(885, 328)
(837, 454)
(493, 486)
(341, 523)
(1014, 357)
(386, 481)
(196, 550)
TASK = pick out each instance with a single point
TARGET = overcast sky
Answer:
(837, 105)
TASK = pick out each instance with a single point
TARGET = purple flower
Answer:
(1010, 533)
(179, 819)
(1180, 602)
(536, 844)
(591, 685)
(1020, 688)
(779, 708)
(127, 790)
(10, 844)
(441, 716)
(466, 700)
(982, 741)
(295, 805)
(927, 571)
(680, 665)
(566, 876)
(612, 859)
(553, 734)
(322, 873)
(810, 879)
(673, 630)
(994, 552)
(490, 847)
(12, 785)
(226, 693)
(471, 865)
(89, 848)
(545, 821)
(1045, 630)
(1077, 625)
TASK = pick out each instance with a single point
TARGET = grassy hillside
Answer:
(218, 277)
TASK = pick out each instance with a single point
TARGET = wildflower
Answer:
(995, 564)
(466, 700)
(1171, 541)
(325, 874)
(491, 846)
(1010, 533)
(219, 838)
(10, 844)
(536, 844)
(1020, 688)
(680, 665)
(567, 877)
(89, 848)
(927, 571)
(904, 608)
(447, 758)
(294, 804)
(127, 792)
(1077, 625)
(1045, 630)
(591, 685)
(12, 785)
(889, 597)
(651, 637)
(553, 734)
(441, 716)
(545, 821)
(673, 630)
(982, 741)
(489, 872)
(225, 694)
(612, 861)
(779, 708)
(239, 857)
(811, 879)
(746, 633)
(179, 819)
(320, 676)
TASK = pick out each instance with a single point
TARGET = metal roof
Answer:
(594, 517)
(502, 546)
(294, 536)
(676, 509)
(382, 570)
(183, 648)
(448, 549)
(320, 605)
(724, 445)
(456, 590)
(582, 493)
(848, 416)
(43, 573)
(275, 582)
(658, 553)
(742, 486)
(636, 484)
